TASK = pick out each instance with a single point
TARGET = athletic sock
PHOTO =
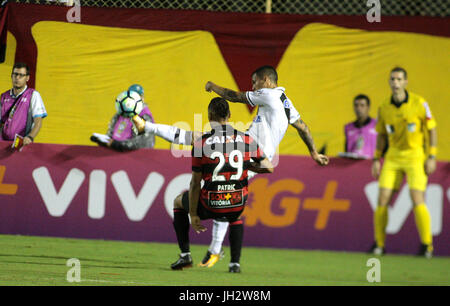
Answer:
(170, 133)
(423, 223)
(236, 236)
(218, 234)
(380, 223)
(181, 226)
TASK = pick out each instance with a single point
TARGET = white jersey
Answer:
(275, 113)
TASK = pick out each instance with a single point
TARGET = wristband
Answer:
(32, 139)
(432, 151)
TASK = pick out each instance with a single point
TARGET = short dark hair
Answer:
(362, 96)
(21, 65)
(219, 108)
(400, 69)
(268, 71)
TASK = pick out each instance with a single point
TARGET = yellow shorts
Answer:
(394, 170)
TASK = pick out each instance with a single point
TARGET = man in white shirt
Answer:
(275, 113)
(22, 108)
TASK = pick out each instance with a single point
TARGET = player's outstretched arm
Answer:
(170, 133)
(264, 166)
(305, 135)
(194, 195)
(228, 94)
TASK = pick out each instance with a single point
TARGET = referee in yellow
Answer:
(406, 124)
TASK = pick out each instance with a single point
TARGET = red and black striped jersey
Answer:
(224, 156)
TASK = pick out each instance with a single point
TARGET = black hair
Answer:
(268, 71)
(400, 69)
(362, 96)
(219, 108)
(21, 65)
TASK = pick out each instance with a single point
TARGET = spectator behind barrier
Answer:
(22, 108)
(360, 135)
(122, 134)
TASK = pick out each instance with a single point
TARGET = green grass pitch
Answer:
(26, 260)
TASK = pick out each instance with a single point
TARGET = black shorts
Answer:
(203, 213)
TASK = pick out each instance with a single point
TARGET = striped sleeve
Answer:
(258, 97)
(247, 94)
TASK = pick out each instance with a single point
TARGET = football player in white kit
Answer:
(275, 114)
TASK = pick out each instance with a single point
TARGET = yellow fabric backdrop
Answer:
(6, 66)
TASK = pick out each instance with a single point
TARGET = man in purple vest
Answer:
(360, 135)
(22, 108)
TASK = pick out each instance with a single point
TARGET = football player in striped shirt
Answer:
(222, 159)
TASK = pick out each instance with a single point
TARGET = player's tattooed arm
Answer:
(305, 134)
(228, 94)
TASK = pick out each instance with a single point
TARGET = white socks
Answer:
(170, 133)
(218, 234)
(102, 138)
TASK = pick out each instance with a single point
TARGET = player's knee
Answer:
(177, 203)
(417, 197)
(384, 196)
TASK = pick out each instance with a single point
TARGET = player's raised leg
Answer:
(170, 133)
(181, 226)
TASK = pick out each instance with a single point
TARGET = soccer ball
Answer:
(129, 103)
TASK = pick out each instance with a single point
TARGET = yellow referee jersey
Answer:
(406, 125)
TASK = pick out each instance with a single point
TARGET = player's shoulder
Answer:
(416, 99)
(205, 136)
(268, 92)
(386, 102)
(385, 106)
(200, 140)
